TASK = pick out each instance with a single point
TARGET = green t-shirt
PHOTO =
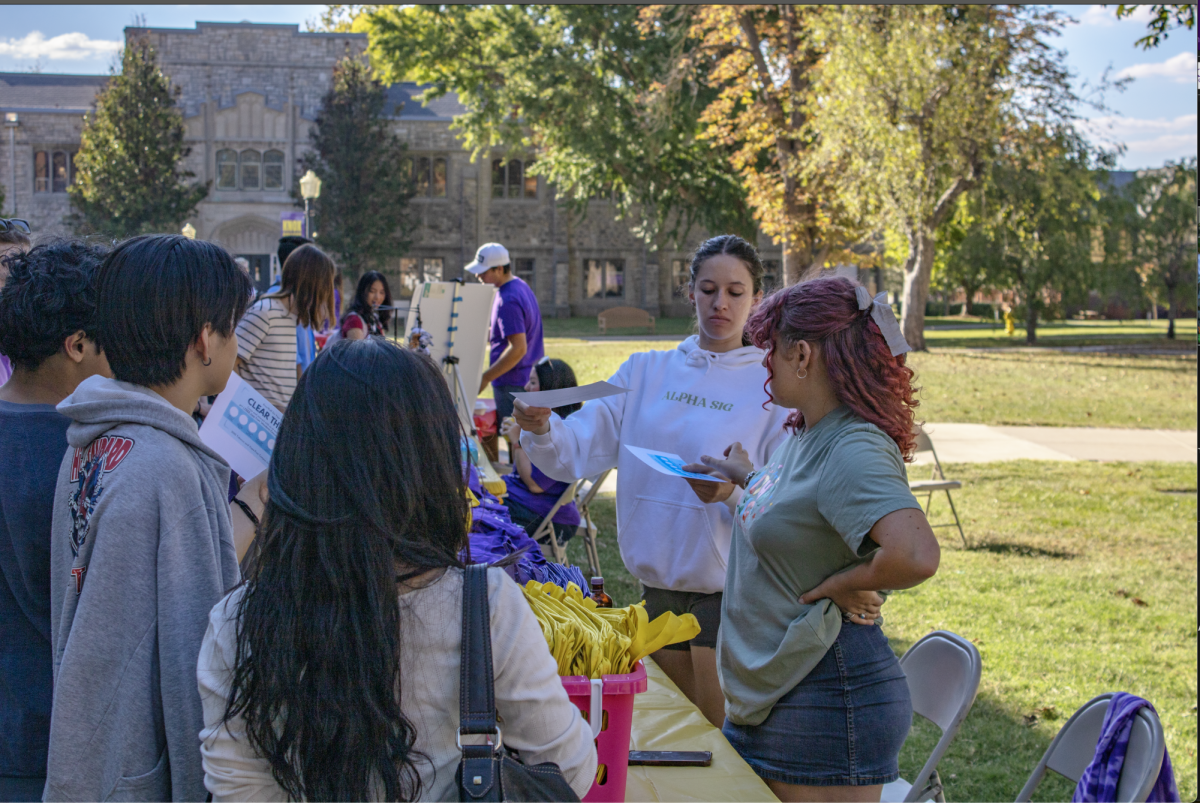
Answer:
(804, 517)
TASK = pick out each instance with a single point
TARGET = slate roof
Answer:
(22, 91)
(402, 104)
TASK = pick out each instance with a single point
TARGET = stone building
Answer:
(249, 95)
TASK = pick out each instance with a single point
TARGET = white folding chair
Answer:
(943, 671)
(1074, 746)
(936, 482)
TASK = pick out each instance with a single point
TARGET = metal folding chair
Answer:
(557, 551)
(936, 482)
(943, 671)
(1075, 745)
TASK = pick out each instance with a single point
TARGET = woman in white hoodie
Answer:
(701, 396)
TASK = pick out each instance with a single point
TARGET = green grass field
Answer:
(1079, 578)
(942, 332)
(1026, 388)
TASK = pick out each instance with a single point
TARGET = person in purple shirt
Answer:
(531, 494)
(516, 328)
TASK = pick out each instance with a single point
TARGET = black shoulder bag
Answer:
(489, 772)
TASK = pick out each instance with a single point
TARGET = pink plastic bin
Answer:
(614, 704)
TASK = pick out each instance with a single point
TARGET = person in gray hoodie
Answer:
(142, 537)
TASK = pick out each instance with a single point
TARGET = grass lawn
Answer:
(1080, 578)
(1025, 388)
(943, 332)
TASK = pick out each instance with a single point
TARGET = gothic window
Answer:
(41, 171)
(422, 176)
(439, 178)
(250, 163)
(227, 170)
(59, 174)
(273, 170)
(680, 277)
(53, 171)
(511, 179)
(770, 275)
(604, 278)
(523, 270)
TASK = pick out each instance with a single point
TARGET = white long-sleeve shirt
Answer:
(686, 401)
(538, 718)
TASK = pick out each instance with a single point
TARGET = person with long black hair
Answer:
(333, 673)
(364, 316)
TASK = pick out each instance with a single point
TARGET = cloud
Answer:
(64, 47)
(1106, 16)
(1177, 68)
(1168, 143)
(1131, 127)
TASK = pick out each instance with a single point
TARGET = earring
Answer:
(207, 362)
(802, 377)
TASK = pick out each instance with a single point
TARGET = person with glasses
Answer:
(14, 239)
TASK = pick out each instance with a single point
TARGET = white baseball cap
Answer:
(489, 255)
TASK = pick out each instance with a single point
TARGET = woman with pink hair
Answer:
(820, 709)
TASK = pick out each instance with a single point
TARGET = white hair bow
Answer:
(885, 319)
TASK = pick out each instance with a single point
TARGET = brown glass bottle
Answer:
(602, 600)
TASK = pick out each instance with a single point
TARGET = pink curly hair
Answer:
(876, 386)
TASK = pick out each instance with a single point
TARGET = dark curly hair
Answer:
(865, 376)
(49, 296)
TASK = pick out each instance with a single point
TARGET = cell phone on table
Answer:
(671, 758)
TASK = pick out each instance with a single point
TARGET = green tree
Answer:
(129, 177)
(964, 256)
(761, 62)
(1043, 214)
(361, 215)
(1166, 239)
(573, 87)
(1162, 19)
(912, 102)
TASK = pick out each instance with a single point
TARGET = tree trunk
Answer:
(1170, 312)
(666, 288)
(574, 271)
(917, 270)
(968, 295)
(1031, 315)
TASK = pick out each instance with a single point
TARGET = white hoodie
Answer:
(687, 401)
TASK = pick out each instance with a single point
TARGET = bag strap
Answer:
(477, 698)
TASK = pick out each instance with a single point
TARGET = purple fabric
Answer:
(541, 503)
(5, 369)
(494, 536)
(515, 311)
(1098, 784)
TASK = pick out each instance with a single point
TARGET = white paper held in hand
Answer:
(565, 396)
(241, 427)
(668, 463)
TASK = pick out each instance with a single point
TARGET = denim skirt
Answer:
(843, 725)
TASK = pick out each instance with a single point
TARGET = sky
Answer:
(1155, 117)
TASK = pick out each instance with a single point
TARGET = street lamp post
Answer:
(310, 188)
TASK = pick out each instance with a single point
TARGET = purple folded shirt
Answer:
(1098, 784)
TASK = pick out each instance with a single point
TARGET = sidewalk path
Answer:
(980, 443)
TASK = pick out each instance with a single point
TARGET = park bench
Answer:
(617, 317)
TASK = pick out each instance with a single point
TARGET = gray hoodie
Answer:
(142, 549)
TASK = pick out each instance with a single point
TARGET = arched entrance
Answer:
(254, 238)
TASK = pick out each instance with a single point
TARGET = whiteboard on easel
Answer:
(466, 333)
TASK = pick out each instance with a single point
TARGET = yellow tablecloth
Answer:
(663, 719)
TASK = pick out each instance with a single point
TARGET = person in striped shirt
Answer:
(267, 332)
